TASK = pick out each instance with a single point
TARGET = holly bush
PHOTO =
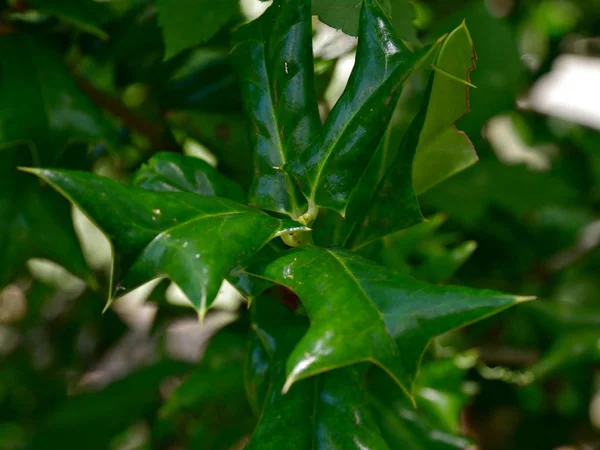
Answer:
(320, 226)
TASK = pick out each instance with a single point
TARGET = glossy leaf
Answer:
(326, 412)
(192, 22)
(360, 311)
(273, 57)
(193, 240)
(405, 210)
(47, 109)
(172, 172)
(432, 146)
(344, 15)
(329, 170)
(443, 150)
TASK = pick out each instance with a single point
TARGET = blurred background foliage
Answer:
(103, 85)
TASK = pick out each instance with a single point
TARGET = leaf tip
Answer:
(524, 298)
(289, 381)
(107, 306)
(33, 170)
(201, 315)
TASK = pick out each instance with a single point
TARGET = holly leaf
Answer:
(344, 15)
(173, 172)
(273, 57)
(47, 111)
(432, 149)
(361, 311)
(327, 411)
(443, 150)
(192, 22)
(329, 171)
(193, 240)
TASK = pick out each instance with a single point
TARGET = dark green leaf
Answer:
(327, 412)
(91, 420)
(435, 423)
(226, 135)
(344, 15)
(172, 172)
(87, 15)
(193, 240)
(47, 109)
(192, 22)
(218, 378)
(35, 222)
(573, 349)
(360, 311)
(273, 56)
(329, 171)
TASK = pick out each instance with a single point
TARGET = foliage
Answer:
(319, 245)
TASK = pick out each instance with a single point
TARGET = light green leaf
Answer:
(360, 311)
(193, 240)
(443, 150)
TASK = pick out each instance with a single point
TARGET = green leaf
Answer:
(90, 420)
(326, 412)
(218, 378)
(330, 170)
(344, 15)
(360, 311)
(192, 22)
(88, 15)
(432, 148)
(35, 222)
(577, 348)
(193, 240)
(172, 172)
(437, 256)
(443, 150)
(47, 109)
(225, 135)
(273, 57)
(436, 422)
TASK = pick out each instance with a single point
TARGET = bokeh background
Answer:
(525, 219)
